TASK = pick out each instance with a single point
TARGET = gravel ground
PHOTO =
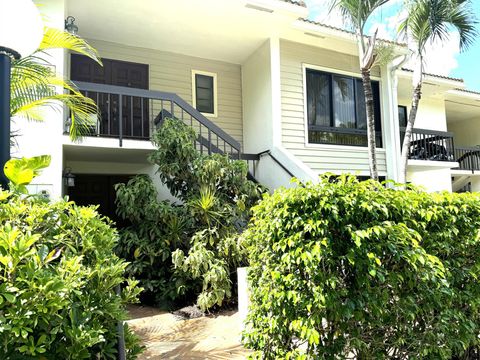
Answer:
(167, 336)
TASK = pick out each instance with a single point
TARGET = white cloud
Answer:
(441, 57)
(320, 12)
(388, 28)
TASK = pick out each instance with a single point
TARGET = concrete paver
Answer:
(168, 337)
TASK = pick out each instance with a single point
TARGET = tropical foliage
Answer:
(431, 21)
(348, 269)
(35, 85)
(200, 235)
(58, 277)
(357, 13)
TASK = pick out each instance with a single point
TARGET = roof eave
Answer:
(436, 79)
(326, 30)
(293, 8)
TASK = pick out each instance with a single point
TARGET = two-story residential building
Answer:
(256, 80)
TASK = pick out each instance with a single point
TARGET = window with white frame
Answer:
(205, 92)
(336, 109)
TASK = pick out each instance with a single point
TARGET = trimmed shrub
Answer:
(348, 268)
(58, 275)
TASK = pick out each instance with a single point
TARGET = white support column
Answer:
(276, 91)
(45, 138)
(391, 129)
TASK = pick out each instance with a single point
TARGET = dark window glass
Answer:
(402, 116)
(318, 102)
(361, 106)
(344, 102)
(204, 93)
(336, 109)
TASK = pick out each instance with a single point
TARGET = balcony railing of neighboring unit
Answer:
(129, 113)
(430, 145)
(468, 158)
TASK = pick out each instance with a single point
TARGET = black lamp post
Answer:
(21, 31)
(5, 62)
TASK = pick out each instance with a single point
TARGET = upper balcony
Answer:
(130, 113)
(439, 146)
(430, 145)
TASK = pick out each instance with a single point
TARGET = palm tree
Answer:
(357, 13)
(427, 22)
(34, 84)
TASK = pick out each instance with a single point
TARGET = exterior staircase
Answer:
(127, 110)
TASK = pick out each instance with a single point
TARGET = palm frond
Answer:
(83, 111)
(357, 12)
(36, 88)
(384, 54)
(55, 39)
(429, 21)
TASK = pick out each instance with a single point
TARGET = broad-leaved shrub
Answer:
(190, 249)
(346, 268)
(58, 275)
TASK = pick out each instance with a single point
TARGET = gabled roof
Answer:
(296, 2)
(438, 76)
(347, 31)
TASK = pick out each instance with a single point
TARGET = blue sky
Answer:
(468, 61)
(444, 59)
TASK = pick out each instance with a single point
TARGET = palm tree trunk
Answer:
(417, 95)
(372, 147)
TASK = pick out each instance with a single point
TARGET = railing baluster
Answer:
(109, 102)
(162, 114)
(131, 116)
(209, 142)
(172, 108)
(424, 138)
(200, 138)
(151, 125)
(120, 120)
(142, 121)
(99, 116)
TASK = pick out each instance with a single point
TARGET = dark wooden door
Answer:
(134, 109)
(135, 121)
(98, 190)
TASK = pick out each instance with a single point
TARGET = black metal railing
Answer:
(468, 158)
(430, 145)
(340, 136)
(129, 113)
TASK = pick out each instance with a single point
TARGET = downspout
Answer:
(397, 146)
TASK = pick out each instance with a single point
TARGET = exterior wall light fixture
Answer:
(70, 25)
(68, 178)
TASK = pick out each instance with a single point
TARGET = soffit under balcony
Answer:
(213, 29)
(462, 105)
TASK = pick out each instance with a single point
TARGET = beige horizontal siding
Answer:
(318, 158)
(173, 73)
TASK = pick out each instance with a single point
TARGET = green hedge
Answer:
(353, 268)
(58, 275)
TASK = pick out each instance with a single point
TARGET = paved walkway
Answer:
(168, 337)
